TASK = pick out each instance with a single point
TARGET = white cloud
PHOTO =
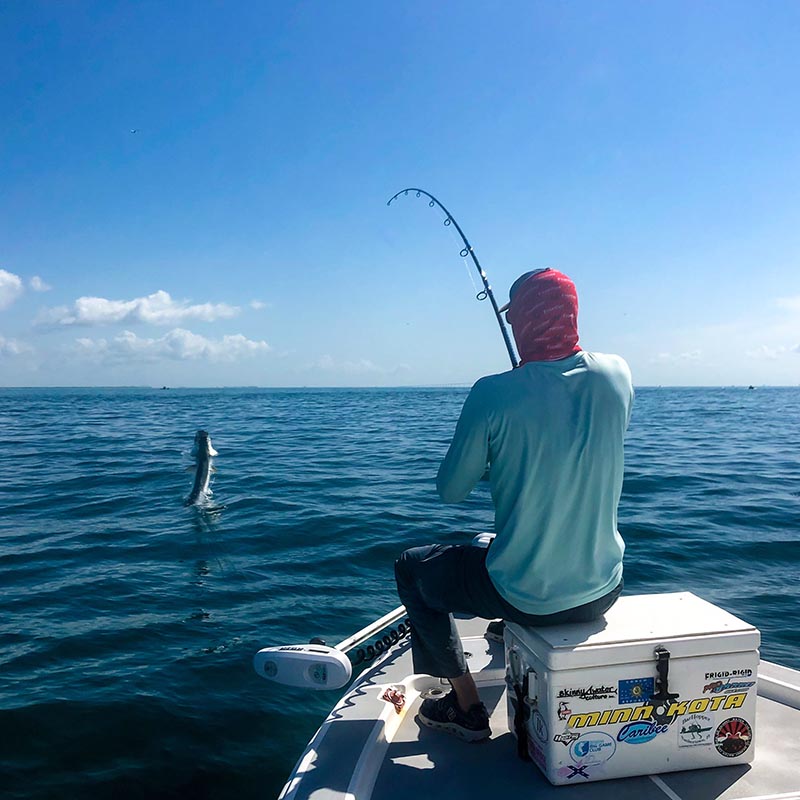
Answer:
(178, 344)
(257, 305)
(38, 285)
(764, 352)
(52, 316)
(678, 358)
(10, 288)
(157, 309)
(12, 347)
(361, 366)
(790, 303)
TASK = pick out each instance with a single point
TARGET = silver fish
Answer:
(203, 453)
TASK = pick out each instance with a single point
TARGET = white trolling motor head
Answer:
(311, 666)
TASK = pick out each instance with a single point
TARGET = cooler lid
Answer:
(634, 626)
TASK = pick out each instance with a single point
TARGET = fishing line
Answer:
(467, 250)
(470, 273)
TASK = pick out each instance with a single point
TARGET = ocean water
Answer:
(128, 622)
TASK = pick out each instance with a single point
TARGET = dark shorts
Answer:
(436, 581)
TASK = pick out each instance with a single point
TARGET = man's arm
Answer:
(465, 462)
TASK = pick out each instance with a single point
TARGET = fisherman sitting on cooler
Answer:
(551, 432)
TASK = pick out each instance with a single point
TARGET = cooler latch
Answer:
(522, 710)
(662, 668)
(661, 701)
(533, 687)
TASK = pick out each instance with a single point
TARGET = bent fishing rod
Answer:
(467, 251)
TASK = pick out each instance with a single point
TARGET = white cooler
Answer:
(663, 682)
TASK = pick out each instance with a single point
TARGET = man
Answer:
(551, 432)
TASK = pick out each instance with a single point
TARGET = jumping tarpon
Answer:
(203, 453)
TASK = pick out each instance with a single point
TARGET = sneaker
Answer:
(445, 714)
(494, 631)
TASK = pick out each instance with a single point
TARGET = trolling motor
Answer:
(317, 666)
(313, 666)
(467, 250)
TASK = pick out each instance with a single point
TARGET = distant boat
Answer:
(751, 387)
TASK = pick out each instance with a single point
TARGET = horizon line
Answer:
(398, 386)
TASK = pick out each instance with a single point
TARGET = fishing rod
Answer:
(467, 251)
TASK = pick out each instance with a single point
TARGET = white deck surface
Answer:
(364, 749)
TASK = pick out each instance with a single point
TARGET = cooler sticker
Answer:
(592, 749)
(539, 726)
(678, 708)
(694, 730)
(732, 737)
(589, 693)
(728, 686)
(636, 690)
(640, 732)
(573, 772)
(564, 711)
(537, 755)
(566, 738)
(729, 673)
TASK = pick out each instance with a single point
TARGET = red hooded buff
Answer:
(543, 314)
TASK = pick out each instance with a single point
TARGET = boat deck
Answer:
(365, 749)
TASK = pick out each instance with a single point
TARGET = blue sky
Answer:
(194, 194)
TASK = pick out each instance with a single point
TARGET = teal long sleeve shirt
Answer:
(551, 433)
